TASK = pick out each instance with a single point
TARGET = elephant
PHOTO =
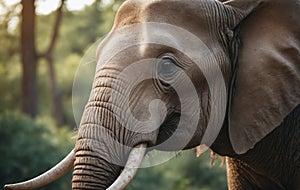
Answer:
(155, 88)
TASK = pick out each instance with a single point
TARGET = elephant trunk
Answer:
(102, 148)
(93, 172)
(96, 163)
(134, 161)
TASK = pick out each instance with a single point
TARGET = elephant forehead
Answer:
(149, 40)
(186, 26)
(187, 14)
(141, 36)
(133, 41)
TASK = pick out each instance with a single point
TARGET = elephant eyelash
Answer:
(173, 57)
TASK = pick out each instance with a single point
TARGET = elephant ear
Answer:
(266, 83)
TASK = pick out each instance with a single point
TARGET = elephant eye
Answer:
(167, 69)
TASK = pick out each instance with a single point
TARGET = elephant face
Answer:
(157, 75)
(153, 88)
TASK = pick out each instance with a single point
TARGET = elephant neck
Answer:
(276, 156)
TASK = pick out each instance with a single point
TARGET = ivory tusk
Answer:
(51, 175)
(135, 159)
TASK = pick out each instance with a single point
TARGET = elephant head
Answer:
(169, 75)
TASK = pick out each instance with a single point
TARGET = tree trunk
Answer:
(29, 59)
(55, 94)
(56, 98)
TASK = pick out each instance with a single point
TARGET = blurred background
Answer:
(42, 43)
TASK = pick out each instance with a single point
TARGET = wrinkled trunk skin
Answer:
(96, 149)
(92, 172)
(91, 169)
(97, 156)
(99, 150)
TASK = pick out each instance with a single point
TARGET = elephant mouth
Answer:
(168, 128)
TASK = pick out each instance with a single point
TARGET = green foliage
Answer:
(10, 67)
(185, 172)
(10, 87)
(79, 30)
(9, 42)
(29, 148)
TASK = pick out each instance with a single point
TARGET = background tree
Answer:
(55, 93)
(30, 58)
